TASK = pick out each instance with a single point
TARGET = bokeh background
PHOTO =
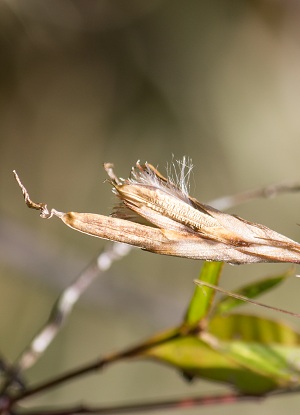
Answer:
(83, 83)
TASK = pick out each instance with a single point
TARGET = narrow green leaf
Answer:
(253, 290)
(203, 296)
(251, 328)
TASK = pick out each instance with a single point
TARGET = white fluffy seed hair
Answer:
(179, 172)
(177, 183)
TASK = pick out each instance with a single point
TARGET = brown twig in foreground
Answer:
(97, 365)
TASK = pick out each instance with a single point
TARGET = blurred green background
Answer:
(83, 83)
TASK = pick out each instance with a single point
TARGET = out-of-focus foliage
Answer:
(254, 354)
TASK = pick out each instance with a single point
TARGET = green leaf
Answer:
(253, 354)
(195, 357)
(279, 363)
(250, 367)
(252, 290)
(203, 296)
(251, 328)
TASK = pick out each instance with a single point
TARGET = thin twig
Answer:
(181, 404)
(98, 364)
(62, 309)
(243, 298)
(227, 202)
(7, 371)
(66, 301)
(42, 207)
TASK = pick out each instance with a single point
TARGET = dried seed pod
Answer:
(158, 215)
(195, 230)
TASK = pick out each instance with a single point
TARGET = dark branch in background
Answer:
(62, 309)
(180, 404)
(227, 202)
(66, 302)
(97, 365)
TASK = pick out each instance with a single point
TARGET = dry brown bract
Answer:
(158, 215)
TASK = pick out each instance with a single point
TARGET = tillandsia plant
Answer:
(158, 215)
